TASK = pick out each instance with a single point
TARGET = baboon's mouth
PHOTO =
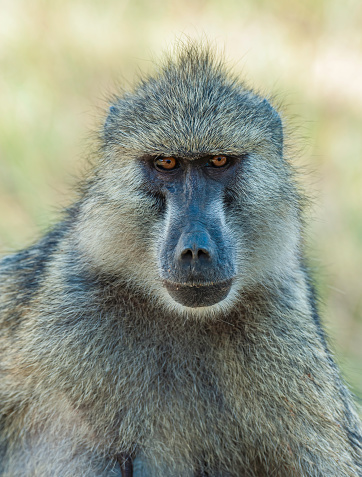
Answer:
(195, 295)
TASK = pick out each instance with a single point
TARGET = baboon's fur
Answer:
(97, 360)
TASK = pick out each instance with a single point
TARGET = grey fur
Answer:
(98, 360)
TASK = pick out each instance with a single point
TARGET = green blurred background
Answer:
(61, 59)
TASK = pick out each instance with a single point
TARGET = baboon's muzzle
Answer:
(196, 257)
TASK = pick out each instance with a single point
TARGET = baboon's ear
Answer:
(110, 123)
(276, 125)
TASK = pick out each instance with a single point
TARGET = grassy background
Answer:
(60, 60)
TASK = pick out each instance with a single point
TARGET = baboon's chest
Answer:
(184, 405)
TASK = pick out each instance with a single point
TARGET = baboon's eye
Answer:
(219, 161)
(165, 163)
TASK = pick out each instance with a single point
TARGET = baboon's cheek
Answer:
(194, 296)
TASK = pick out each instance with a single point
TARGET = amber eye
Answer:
(165, 163)
(219, 161)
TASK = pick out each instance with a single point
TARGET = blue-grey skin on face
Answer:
(196, 257)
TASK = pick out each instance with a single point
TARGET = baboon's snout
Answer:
(197, 253)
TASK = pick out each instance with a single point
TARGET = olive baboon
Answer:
(168, 322)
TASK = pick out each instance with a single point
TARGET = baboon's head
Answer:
(192, 201)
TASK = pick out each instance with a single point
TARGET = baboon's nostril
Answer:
(202, 254)
(189, 254)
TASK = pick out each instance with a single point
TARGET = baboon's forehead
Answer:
(191, 111)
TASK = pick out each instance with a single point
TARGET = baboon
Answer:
(167, 325)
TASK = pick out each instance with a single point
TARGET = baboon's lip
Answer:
(197, 294)
(197, 284)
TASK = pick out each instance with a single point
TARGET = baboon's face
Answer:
(196, 251)
(192, 232)
(192, 203)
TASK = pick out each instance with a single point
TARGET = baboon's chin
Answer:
(198, 295)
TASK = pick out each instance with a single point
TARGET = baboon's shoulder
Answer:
(22, 273)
